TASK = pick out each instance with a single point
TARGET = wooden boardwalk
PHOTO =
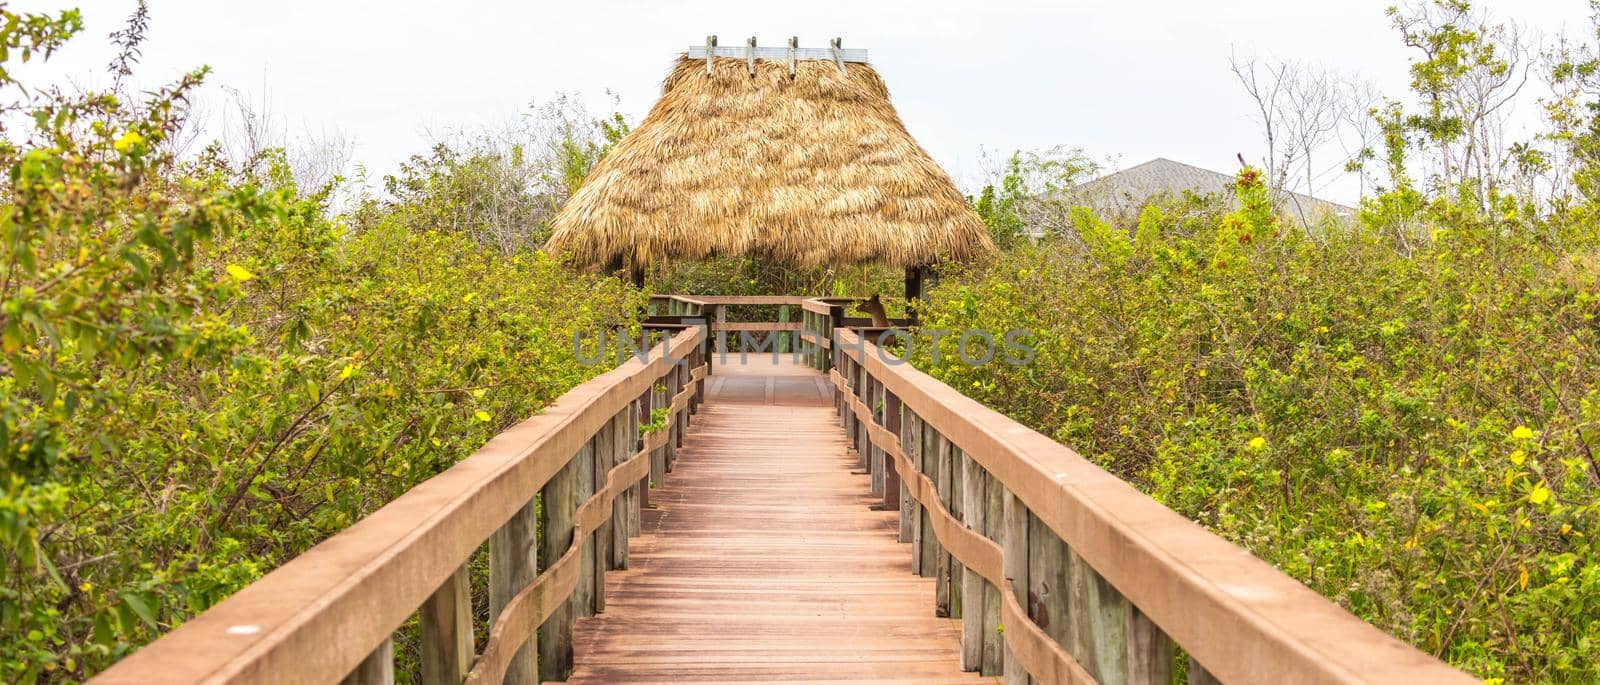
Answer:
(764, 560)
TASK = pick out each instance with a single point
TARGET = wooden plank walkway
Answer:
(763, 561)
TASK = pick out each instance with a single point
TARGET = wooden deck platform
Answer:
(763, 560)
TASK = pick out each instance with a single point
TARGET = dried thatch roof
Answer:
(810, 171)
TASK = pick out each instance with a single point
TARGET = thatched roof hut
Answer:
(813, 170)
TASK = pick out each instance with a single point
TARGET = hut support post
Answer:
(914, 290)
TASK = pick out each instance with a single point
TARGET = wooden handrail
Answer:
(742, 299)
(1240, 619)
(319, 616)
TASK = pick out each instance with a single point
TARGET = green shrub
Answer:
(205, 375)
(1410, 432)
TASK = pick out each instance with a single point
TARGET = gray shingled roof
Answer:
(1127, 190)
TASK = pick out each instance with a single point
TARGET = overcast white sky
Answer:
(1134, 79)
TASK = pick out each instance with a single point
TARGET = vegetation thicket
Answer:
(1400, 410)
(204, 371)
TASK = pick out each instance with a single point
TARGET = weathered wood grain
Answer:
(557, 506)
(513, 564)
(446, 641)
(376, 669)
(973, 503)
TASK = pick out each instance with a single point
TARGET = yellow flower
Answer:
(1518, 456)
(1522, 433)
(128, 141)
(1540, 494)
(239, 273)
(482, 415)
(1522, 578)
(1257, 443)
(348, 371)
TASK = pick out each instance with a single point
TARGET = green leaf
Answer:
(140, 604)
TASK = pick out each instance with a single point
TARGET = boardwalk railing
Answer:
(555, 498)
(729, 334)
(1063, 572)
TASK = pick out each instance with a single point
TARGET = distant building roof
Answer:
(1127, 190)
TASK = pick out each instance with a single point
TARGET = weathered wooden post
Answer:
(1198, 675)
(376, 669)
(892, 486)
(605, 457)
(557, 503)
(722, 319)
(1149, 651)
(994, 524)
(583, 486)
(1100, 623)
(625, 443)
(513, 564)
(927, 552)
(879, 464)
(942, 562)
(446, 620)
(973, 504)
(644, 407)
(1014, 547)
(658, 456)
(783, 344)
(910, 519)
(1049, 583)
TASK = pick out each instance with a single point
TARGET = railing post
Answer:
(513, 564)
(910, 436)
(680, 380)
(642, 411)
(942, 563)
(624, 445)
(892, 417)
(1149, 651)
(605, 457)
(783, 343)
(1014, 548)
(973, 480)
(927, 554)
(994, 528)
(555, 516)
(1198, 675)
(722, 318)
(877, 405)
(583, 487)
(863, 389)
(952, 497)
(376, 669)
(807, 349)
(1100, 623)
(1049, 584)
(446, 620)
(658, 456)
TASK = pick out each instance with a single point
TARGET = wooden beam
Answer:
(781, 54)
(914, 276)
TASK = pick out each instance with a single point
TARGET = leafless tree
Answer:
(1300, 108)
(1358, 132)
